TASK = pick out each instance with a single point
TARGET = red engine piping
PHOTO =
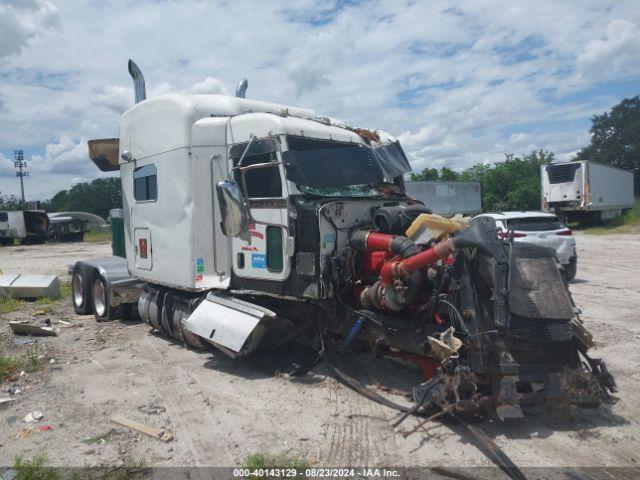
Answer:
(403, 268)
(379, 241)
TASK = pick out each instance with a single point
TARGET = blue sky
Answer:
(458, 82)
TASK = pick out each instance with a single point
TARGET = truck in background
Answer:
(448, 198)
(28, 226)
(586, 190)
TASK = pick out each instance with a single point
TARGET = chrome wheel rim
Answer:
(76, 285)
(99, 300)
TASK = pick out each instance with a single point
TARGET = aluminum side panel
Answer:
(223, 322)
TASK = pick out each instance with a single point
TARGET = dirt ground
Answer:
(220, 410)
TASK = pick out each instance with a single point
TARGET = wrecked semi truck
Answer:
(249, 223)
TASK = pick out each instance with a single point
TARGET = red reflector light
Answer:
(565, 233)
(143, 247)
(511, 235)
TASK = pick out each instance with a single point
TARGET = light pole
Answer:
(22, 172)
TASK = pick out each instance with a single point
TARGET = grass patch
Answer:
(33, 362)
(9, 366)
(65, 292)
(628, 222)
(34, 469)
(283, 460)
(101, 438)
(94, 236)
(10, 304)
(131, 470)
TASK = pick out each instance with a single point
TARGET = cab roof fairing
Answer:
(164, 122)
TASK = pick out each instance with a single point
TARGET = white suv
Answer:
(542, 229)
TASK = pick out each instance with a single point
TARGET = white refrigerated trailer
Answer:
(447, 198)
(586, 189)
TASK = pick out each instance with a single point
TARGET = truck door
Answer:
(261, 178)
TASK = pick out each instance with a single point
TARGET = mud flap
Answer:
(229, 324)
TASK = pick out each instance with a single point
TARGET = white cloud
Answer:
(115, 97)
(209, 85)
(457, 83)
(21, 21)
(65, 156)
(614, 55)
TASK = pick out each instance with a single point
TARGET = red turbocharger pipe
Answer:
(379, 241)
(404, 268)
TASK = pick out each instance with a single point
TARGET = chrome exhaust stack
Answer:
(139, 90)
(241, 88)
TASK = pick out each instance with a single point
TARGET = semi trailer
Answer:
(248, 224)
(26, 226)
(448, 198)
(586, 190)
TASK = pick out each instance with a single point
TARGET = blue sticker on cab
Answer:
(258, 260)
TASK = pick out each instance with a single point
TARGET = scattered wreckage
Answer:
(249, 223)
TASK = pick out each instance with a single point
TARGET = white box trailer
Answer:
(448, 198)
(586, 189)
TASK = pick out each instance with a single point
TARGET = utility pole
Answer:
(22, 172)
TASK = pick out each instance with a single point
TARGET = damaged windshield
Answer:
(331, 168)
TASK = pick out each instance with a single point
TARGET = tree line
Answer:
(97, 197)
(514, 183)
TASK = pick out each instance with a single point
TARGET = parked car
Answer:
(540, 228)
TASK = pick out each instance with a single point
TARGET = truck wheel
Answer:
(102, 310)
(570, 270)
(80, 293)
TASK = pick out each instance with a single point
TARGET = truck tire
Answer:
(571, 269)
(81, 293)
(102, 309)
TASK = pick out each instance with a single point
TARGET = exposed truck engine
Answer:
(248, 224)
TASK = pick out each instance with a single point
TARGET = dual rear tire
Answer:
(90, 294)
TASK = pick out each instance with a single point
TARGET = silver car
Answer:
(540, 228)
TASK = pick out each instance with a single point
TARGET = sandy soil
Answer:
(50, 258)
(221, 410)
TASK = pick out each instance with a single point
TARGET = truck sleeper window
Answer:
(145, 183)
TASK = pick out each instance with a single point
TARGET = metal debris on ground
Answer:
(141, 427)
(9, 474)
(29, 286)
(24, 328)
(20, 341)
(4, 401)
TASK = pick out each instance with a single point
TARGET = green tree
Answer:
(98, 197)
(615, 138)
(513, 184)
(448, 175)
(431, 174)
(9, 202)
(425, 175)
